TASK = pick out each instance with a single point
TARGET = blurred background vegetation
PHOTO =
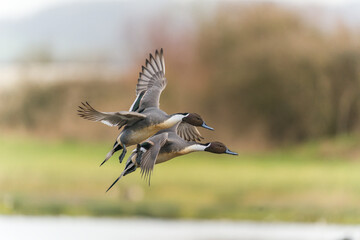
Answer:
(278, 87)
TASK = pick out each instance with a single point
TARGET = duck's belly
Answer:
(134, 137)
(163, 157)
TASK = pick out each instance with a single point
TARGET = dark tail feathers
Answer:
(116, 148)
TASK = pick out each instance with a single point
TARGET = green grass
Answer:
(318, 181)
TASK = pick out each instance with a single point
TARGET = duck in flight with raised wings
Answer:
(144, 118)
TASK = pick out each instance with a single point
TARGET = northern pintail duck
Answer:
(162, 147)
(144, 118)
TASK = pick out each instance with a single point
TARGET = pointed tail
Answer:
(130, 167)
(116, 148)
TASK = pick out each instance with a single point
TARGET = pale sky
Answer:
(14, 9)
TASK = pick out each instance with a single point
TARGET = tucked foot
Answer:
(122, 155)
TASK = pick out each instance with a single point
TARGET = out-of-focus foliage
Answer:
(51, 109)
(268, 68)
(250, 71)
(316, 181)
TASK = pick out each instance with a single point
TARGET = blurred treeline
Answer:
(255, 73)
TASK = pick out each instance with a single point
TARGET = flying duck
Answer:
(144, 117)
(162, 147)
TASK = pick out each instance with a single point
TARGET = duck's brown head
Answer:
(195, 120)
(218, 147)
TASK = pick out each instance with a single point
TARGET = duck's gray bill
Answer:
(206, 126)
(230, 152)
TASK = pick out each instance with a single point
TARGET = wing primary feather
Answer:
(152, 76)
(109, 118)
(144, 77)
(143, 69)
(162, 59)
(158, 60)
(148, 62)
(153, 59)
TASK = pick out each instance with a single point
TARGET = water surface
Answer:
(29, 227)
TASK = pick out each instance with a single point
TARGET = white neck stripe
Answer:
(174, 119)
(196, 148)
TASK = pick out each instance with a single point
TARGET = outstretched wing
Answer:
(151, 82)
(188, 132)
(119, 119)
(148, 159)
